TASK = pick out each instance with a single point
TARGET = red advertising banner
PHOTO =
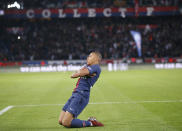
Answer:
(93, 12)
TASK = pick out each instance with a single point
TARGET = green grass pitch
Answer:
(151, 100)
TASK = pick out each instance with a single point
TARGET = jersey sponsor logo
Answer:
(83, 77)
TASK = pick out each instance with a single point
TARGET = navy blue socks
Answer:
(77, 123)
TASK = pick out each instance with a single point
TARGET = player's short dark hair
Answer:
(98, 55)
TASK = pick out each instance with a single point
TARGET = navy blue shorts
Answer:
(76, 103)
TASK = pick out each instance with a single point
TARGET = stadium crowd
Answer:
(74, 38)
(87, 3)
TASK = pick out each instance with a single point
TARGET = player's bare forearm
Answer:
(80, 73)
(75, 75)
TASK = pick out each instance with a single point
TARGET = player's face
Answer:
(91, 59)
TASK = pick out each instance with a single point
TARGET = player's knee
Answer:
(66, 123)
(60, 122)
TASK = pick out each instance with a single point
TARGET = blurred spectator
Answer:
(26, 4)
(74, 38)
(158, 2)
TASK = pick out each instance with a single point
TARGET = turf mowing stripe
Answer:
(101, 103)
(5, 109)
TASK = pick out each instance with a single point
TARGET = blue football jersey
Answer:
(86, 82)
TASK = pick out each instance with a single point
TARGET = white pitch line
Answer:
(102, 103)
(38, 105)
(93, 103)
(5, 109)
(135, 102)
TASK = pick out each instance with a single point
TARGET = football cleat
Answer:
(94, 122)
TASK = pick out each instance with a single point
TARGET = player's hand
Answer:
(80, 73)
(91, 75)
(76, 74)
(72, 76)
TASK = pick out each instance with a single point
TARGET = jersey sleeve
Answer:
(93, 69)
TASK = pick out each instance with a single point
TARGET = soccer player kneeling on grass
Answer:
(88, 75)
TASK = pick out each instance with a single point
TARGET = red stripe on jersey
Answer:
(77, 84)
